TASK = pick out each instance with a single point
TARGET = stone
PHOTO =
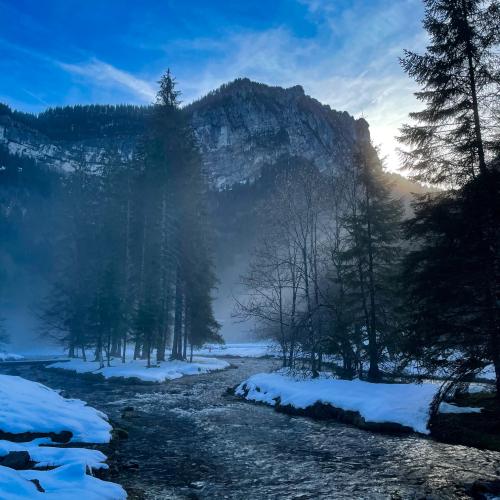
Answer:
(19, 460)
(485, 490)
(197, 485)
(37, 484)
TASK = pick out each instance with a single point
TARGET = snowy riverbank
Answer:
(137, 369)
(33, 420)
(8, 356)
(239, 350)
(406, 405)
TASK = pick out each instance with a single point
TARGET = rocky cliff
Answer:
(245, 125)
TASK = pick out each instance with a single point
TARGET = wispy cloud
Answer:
(104, 74)
(97, 73)
(352, 64)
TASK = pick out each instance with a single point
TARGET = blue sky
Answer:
(343, 52)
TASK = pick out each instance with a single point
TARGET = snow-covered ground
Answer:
(241, 349)
(45, 454)
(248, 350)
(63, 483)
(404, 404)
(165, 370)
(8, 356)
(451, 408)
(487, 373)
(30, 407)
(27, 406)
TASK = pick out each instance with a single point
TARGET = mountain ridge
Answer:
(239, 127)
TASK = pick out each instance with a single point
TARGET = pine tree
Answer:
(373, 252)
(183, 265)
(454, 274)
(450, 142)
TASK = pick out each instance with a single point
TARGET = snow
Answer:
(44, 454)
(64, 483)
(248, 350)
(477, 388)
(8, 356)
(39, 409)
(487, 373)
(166, 370)
(404, 404)
(451, 408)
(27, 406)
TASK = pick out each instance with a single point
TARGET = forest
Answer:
(130, 245)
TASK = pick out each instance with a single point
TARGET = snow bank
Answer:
(64, 483)
(166, 370)
(8, 356)
(45, 455)
(487, 373)
(249, 350)
(450, 408)
(27, 406)
(404, 404)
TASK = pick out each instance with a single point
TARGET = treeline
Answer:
(79, 122)
(338, 272)
(134, 249)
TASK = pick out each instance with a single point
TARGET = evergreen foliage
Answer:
(453, 271)
(459, 74)
(134, 254)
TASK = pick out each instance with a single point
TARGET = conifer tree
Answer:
(450, 143)
(373, 224)
(453, 274)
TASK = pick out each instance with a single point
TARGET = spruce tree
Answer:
(453, 274)
(450, 143)
(373, 225)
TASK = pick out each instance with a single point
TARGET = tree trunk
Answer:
(309, 313)
(186, 330)
(176, 352)
(472, 82)
(137, 349)
(127, 275)
(373, 371)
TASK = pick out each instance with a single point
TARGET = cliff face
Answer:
(239, 128)
(23, 140)
(245, 125)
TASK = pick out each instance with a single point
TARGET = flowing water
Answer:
(187, 439)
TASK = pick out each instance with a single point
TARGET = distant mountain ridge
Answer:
(240, 127)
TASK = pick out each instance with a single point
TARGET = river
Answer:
(188, 439)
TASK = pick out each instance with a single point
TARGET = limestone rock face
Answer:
(239, 128)
(246, 125)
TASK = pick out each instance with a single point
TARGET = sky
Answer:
(343, 52)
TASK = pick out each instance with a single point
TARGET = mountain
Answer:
(245, 125)
(240, 127)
